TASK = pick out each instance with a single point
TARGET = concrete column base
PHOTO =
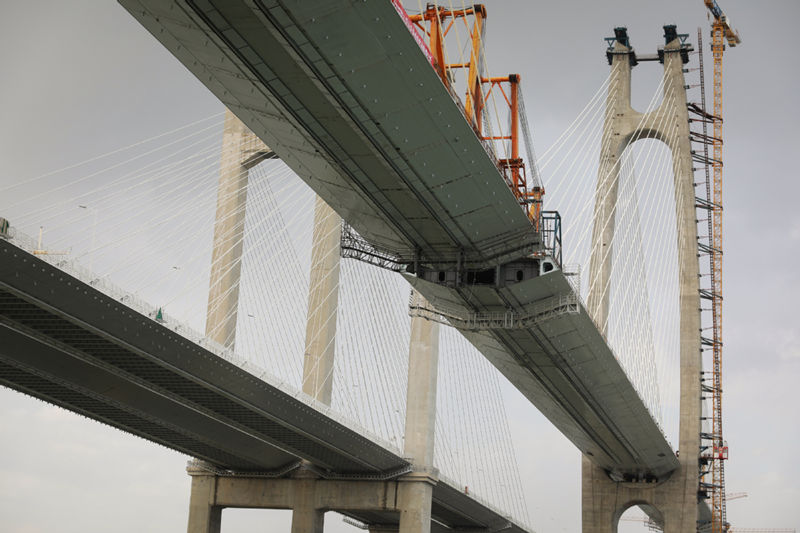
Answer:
(205, 516)
(668, 502)
(306, 516)
(308, 521)
(414, 500)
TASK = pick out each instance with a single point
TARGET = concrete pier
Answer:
(415, 491)
(302, 489)
(323, 299)
(241, 150)
(307, 516)
(205, 516)
(672, 502)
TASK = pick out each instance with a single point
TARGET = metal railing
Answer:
(550, 226)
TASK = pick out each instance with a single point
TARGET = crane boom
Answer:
(728, 31)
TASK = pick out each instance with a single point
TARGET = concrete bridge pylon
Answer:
(241, 150)
(671, 502)
(300, 487)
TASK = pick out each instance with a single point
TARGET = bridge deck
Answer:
(341, 92)
(67, 343)
(344, 95)
(554, 354)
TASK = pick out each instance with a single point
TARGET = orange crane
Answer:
(721, 31)
(435, 22)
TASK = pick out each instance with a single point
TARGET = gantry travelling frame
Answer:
(435, 23)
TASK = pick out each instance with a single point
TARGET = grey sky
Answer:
(81, 78)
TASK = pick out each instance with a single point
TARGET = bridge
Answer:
(422, 193)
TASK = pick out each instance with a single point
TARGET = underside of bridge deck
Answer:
(539, 335)
(344, 95)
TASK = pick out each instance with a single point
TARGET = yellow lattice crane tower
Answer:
(721, 32)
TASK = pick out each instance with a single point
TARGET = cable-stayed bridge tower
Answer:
(241, 150)
(671, 502)
(300, 487)
(437, 207)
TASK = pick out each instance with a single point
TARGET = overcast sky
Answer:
(81, 78)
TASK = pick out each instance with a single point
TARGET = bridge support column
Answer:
(306, 517)
(672, 502)
(414, 497)
(323, 300)
(205, 516)
(241, 150)
(415, 491)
